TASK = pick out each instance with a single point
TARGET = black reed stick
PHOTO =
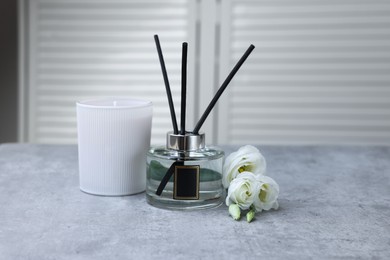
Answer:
(167, 88)
(167, 176)
(183, 89)
(222, 88)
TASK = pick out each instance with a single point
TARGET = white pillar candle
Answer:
(113, 138)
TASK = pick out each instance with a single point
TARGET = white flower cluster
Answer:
(248, 186)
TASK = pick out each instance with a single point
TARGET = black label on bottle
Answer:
(186, 182)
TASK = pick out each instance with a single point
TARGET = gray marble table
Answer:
(334, 204)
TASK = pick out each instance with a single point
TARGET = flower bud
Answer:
(235, 211)
(250, 216)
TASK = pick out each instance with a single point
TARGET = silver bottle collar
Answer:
(187, 142)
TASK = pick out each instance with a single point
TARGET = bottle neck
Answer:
(187, 142)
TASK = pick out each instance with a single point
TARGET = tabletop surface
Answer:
(334, 204)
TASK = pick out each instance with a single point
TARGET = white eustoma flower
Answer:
(267, 197)
(247, 159)
(243, 190)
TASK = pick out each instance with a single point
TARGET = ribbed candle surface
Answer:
(113, 138)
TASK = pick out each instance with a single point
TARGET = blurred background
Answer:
(320, 73)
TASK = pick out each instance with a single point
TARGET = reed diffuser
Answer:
(185, 173)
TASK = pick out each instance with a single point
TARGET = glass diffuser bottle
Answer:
(184, 174)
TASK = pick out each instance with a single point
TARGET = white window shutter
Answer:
(320, 73)
(81, 48)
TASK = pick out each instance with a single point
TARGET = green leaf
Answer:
(156, 171)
